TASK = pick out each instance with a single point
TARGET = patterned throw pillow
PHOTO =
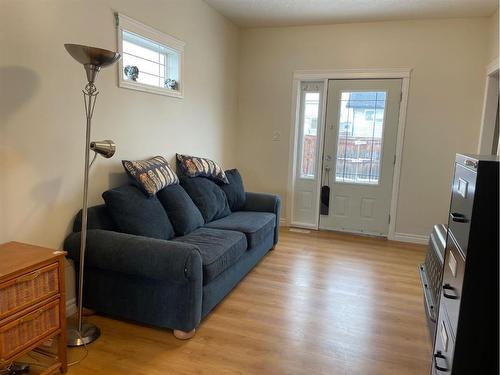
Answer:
(152, 175)
(193, 166)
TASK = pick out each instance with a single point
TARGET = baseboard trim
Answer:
(304, 225)
(71, 307)
(411, 238)
(299, 230)
(282, 222)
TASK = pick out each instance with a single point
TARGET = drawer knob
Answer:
(449, 292)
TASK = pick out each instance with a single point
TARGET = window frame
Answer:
(124, 23)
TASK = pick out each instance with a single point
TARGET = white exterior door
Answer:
(359, 154)
(305, 196)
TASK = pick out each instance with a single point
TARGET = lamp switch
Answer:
(276, 135)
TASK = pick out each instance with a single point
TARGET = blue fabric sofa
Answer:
(172, 283)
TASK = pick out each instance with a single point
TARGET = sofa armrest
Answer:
(264, 202)
(138, 256)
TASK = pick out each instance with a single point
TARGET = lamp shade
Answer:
(105, 148)
(92, 58)
(92, 55)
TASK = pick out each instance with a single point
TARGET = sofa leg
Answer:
(181, 335)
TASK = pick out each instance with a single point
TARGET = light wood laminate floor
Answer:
(320, 303)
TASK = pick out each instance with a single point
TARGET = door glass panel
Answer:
(310, 117)
(359, 143)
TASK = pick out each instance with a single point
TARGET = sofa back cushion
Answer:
(135, 213)
(235, 192)
(98, 217)
(208, 197)
(181, 210)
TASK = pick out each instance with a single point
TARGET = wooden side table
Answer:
(32, 303)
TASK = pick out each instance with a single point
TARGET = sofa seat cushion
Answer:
(255, 225)
(219, 249)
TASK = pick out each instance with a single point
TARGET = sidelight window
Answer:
(310, 113)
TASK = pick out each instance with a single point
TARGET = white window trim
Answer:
(128, 24)
(489, 115)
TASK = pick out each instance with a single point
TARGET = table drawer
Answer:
(26, 330)
(28, 289)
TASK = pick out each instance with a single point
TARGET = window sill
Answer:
(151, 89)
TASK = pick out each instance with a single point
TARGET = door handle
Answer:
(447, 288)
(458, 218)
(444, 362)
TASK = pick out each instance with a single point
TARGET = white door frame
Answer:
(297, 149)
(318, 75)
(490, 104)
(292, 163)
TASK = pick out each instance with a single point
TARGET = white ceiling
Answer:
(263, 13)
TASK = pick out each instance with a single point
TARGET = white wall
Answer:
(42, 126)
(42, 115)
(448, 59)
(493, 37)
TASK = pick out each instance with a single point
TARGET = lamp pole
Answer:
(89, 97)
(93, 59)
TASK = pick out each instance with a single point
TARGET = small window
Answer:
(151, 61)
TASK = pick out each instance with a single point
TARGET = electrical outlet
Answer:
(276, 135)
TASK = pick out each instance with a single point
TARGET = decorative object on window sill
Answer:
(132, 72)
(172, 84)
(92, 59)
